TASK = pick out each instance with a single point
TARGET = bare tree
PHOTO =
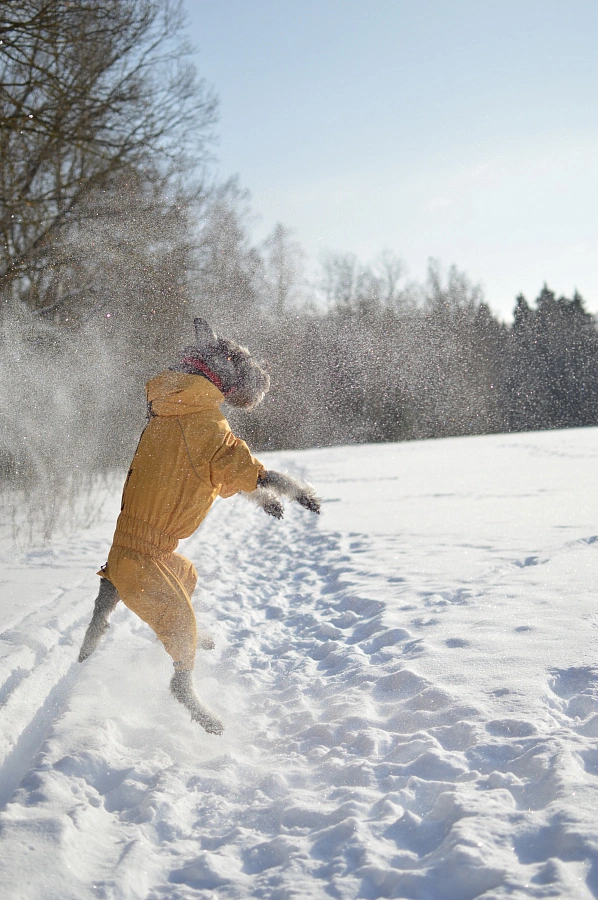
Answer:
(284, 270)
(89, 92)
(103, 123)
(391, 270)
(350, 286)
(229, 283)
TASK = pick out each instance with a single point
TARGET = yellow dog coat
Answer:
(186, 457)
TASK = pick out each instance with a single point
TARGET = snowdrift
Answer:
(409, 687)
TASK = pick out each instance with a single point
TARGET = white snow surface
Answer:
(409, 687)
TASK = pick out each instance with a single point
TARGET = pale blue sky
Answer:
(466, 130)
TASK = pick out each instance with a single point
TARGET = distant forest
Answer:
(113, 235)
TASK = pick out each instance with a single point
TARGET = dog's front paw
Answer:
(309, 501)
(274, 508)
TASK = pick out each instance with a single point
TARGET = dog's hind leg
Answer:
(105, 603)
(181, 687)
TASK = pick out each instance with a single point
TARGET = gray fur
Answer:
(204, 333)
(105, 603)
(266, 500)
(245, 380)
(181, 687)
(272, 485)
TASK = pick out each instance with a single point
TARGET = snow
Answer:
(408, 683)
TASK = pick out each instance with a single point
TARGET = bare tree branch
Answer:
(88, 90)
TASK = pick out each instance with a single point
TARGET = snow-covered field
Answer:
(409, 686)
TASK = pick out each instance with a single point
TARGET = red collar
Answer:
(201, 367)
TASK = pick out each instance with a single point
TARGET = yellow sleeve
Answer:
(233, 468)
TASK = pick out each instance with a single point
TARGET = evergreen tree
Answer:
(551, 369)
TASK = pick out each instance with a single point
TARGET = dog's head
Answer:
(243, 380)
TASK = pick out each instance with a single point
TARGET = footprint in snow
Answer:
(529, 561)
(459, 596)
(577, 691)
(510, 728)
(566, 683)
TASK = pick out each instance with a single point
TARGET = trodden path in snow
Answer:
(411, 706)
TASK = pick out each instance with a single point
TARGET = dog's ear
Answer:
(204, 333)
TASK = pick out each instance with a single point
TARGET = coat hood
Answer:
(178, 394)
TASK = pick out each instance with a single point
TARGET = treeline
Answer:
(113, 236)
(428, 361)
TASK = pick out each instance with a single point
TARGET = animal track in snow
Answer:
(577, 691)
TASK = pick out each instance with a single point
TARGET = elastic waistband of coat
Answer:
(135, 534)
